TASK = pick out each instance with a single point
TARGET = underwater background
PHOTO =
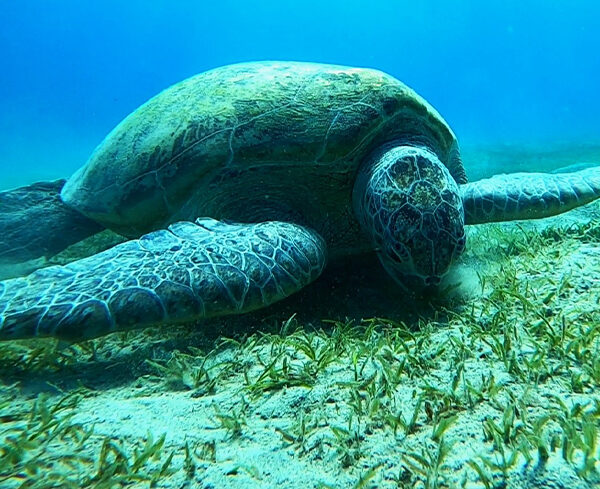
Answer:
(351, 383)
(510, 72)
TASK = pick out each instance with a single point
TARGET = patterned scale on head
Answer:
(410, 205)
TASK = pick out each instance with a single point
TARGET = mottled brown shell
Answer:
(250, 140)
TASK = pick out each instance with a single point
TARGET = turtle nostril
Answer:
(433, 280)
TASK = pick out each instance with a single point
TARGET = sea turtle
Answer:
(234, 187)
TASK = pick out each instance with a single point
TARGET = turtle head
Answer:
(410, 206)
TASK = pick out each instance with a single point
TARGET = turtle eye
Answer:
(398, 252)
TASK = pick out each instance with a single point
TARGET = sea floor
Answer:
(349, 384)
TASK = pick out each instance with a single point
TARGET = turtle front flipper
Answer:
(35, 224)
(187, 272)
(528, 195)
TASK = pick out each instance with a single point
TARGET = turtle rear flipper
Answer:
(187, 272)
(528, 195)
(35, 224)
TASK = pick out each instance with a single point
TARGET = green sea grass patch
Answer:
(496, 390)
(42, 447)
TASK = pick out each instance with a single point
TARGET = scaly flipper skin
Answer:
(190, 271)
(528, 195)
(35, 224)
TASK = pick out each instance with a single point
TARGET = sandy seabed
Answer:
(349, 384)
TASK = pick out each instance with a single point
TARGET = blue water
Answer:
(512, 71)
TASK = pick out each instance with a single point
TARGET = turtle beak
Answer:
(432, 281)
(411, 280)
